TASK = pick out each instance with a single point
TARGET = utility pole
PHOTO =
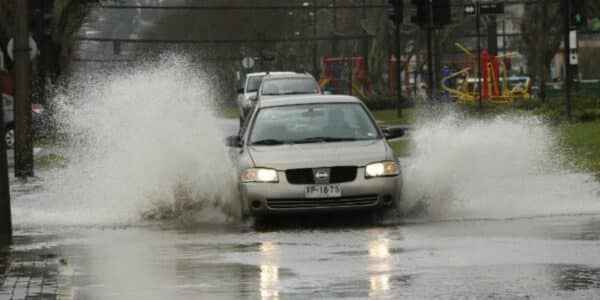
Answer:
(492, 35)
(336, 42)
(315, 42)
(22, 103)
(397, 16)
(365, 41)
(5, 212)
(430, 65)
(568, 76)
(479, 81)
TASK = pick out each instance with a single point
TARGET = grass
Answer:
(51, 161)
(583, 141)
(388, 116)
(228, 111)
(400, 147)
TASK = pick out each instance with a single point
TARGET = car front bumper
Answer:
(284, 197)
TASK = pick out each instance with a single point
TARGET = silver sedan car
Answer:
(314, 153)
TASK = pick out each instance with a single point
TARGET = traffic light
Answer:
(422, 16)
(395, 13)
(441, 12)
(578, 16)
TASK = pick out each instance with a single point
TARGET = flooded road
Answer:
(531, 258)
(491, 210)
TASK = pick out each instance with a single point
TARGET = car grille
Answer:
(356, 201)
(305, 176)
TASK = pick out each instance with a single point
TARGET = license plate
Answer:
(323, 191)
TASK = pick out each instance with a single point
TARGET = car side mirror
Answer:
(393, 132)
(240, 90)
(233, 141)
(253, 97)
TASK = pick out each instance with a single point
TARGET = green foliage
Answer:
(228, 111)
(401, 147)
(389, 116)
(583, 141)
(585, 109)
(51, 161)
(385, 101)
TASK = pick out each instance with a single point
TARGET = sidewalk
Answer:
(30, 274)
(31, 277)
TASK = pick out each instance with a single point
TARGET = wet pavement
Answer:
(530, 258)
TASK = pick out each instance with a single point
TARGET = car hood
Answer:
(292, 156)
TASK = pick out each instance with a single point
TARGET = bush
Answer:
(584, 108)
(385, 101)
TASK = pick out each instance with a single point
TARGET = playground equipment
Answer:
(343, 75)
(496, 86)
(346, 74)
(394, 63)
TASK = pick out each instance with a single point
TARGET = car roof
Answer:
(270, 73)
(306, 99)
(287, 75)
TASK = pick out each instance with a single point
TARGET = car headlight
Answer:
(380, 169)
(260, 175)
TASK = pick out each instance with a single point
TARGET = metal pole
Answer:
(503, 36)
(430, 66)
(479, 81)
(568, 83)
(398, 66)
(365, 41)
(5, 212)
(336, 43)
(315, 43)
(22, 103)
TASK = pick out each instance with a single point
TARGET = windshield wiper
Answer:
(295, 93)
(268, 142)
(322, 139)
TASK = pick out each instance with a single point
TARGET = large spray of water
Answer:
(503, 167)
(143, 143)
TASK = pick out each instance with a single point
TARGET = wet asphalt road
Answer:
(531, 258)
(335, 256)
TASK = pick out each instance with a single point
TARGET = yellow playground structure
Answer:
(496, 86)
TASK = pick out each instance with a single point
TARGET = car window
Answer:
(254, 83)
(310, 123)
(290, 86)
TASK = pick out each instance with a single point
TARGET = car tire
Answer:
(9, 137)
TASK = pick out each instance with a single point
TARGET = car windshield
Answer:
(312, 123)
(254, 83)
(290, 86)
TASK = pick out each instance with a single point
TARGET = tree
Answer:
(541, 27)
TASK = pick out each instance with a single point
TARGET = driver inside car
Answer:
(337, 125)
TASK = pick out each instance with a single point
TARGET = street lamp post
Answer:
(5, 212)
(479, 81)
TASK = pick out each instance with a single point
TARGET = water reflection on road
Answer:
(554, 257)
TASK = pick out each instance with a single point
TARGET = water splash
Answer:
(503, 167)
(143, 142)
